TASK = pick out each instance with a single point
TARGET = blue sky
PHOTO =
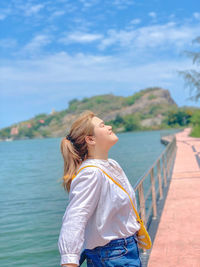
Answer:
(54, 51)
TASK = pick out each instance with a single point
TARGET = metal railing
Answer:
(149, 188)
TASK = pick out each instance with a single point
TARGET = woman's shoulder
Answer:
(113, 161)
(95, 166)
(87, 168)
(86, 176)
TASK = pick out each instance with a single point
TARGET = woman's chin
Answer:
(115, 137)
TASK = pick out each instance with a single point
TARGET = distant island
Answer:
(149, 109)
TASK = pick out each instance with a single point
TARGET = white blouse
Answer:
(98, 210)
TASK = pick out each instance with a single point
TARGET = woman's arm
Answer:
(84, 196)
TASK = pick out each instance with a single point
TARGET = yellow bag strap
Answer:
(138, 217)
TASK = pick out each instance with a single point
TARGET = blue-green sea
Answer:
(32, 200)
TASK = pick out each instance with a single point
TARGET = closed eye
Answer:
(101, 124)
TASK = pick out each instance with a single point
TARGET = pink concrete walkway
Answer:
(177, 241)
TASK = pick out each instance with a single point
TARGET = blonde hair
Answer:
(76, 150)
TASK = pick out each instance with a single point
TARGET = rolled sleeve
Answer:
(69, 258)
(83, 198)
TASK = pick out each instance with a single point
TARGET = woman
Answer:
(99, 223)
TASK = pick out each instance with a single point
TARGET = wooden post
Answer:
(170, 158)
(159, 180)
(153, 194)
(164, 171)
(142, 202)
(142, 207)
(167, 165)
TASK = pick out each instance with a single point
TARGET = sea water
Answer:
(32, 200)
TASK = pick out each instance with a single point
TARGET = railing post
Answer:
(159, 179)
(170, 160)
(168, 164)
(164, 170)
(173, 153)
(142, 202)
(153, 194)
(167, 167)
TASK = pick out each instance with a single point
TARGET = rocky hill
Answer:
(146, 108)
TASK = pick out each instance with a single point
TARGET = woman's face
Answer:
(104, 136)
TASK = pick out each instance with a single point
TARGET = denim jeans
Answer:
(117, 253)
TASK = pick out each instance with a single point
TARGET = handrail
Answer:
(160, 174)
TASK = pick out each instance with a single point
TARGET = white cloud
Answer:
(162, 36)
(122, 4)
(62, 67)
(135, 21)
(88, 3)
(58, 13)
(79, 37)
(8, 43)
(171, 16)
(80, 24)
(152, 14)
(32, 9)
(122, 37)
(36, 44)
(63, 76)
(196, 15)
(2, 16)
(4, 13)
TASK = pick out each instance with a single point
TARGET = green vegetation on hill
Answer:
(99, 103)
(128, 122)
(180, 117)
(195, 120)
(149, 109)
(130, 100)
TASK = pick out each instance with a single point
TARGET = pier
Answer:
(151, 190)
(177, 238)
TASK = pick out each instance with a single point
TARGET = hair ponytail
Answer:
(74, 147)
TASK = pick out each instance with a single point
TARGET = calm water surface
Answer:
(32, 200)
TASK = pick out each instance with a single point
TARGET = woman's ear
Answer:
(90, 139)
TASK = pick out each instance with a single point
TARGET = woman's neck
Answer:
(97, 158)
